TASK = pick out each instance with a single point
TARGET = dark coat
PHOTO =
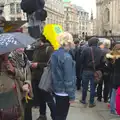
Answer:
(86, 60)
(41, 55)
(116, 74)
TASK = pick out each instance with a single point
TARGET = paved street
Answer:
(79, 112)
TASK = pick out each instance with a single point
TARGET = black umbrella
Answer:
(12, 41)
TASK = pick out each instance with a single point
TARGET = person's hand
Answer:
(34, 65)
(71, 102)
(26, 88)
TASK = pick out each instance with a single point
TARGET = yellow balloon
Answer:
(51, 32)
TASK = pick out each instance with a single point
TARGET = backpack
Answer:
(30, 6)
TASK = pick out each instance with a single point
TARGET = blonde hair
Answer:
(107, 43)
(65, 38)
(115, 53)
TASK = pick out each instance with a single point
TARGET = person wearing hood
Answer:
(88, 69)
(41, 57)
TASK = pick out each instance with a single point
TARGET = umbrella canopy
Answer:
(12, 41)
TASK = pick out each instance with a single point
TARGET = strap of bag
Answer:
(93, 60)
(47, 48)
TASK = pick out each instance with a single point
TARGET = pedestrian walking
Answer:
(41, 57)
(86, 61)
(63, 75)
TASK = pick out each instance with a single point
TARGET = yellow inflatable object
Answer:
(27, 98)
(51, 31)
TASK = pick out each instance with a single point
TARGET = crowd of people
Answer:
(72, 66)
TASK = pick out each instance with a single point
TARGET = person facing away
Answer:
(104, 46)
(41, 57)
(114, 55)
(63, 75)
(88, 70)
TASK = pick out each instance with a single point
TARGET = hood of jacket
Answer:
(93, 41)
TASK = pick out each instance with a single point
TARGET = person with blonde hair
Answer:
(63, 75)
(114, 56)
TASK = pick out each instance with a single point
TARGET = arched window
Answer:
(107, 15)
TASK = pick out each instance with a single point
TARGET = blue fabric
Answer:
(112, 101)
(86, 77)
(63, 73)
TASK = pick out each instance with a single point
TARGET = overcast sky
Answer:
(87, 5)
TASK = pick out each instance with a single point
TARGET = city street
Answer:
(79, 112)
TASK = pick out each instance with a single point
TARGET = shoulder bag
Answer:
(46, 79)
(97, 73)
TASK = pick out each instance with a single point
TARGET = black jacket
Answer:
(116, 74)
(86, 58)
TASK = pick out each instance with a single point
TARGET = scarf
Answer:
(19, 58)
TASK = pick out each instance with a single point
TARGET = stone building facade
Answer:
(108, 17)
(76, 19)
(71, 19)
(91, 26)
(83, 21)
(55, 11)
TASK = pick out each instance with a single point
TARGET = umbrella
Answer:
(12, 41)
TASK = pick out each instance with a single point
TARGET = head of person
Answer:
(105, 44)
(101, 45)
(115, 53)
(65, 40)
(93, 41)
(42, 41)
(20, 50)
(116, 50)
(76, 42)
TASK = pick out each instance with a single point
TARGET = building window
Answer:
(12, 18)
(83, 28)
(19, 18)
(18, 8)
(12, 8)
(107, 15)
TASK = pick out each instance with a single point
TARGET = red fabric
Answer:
(19, 30)
(118, 101)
